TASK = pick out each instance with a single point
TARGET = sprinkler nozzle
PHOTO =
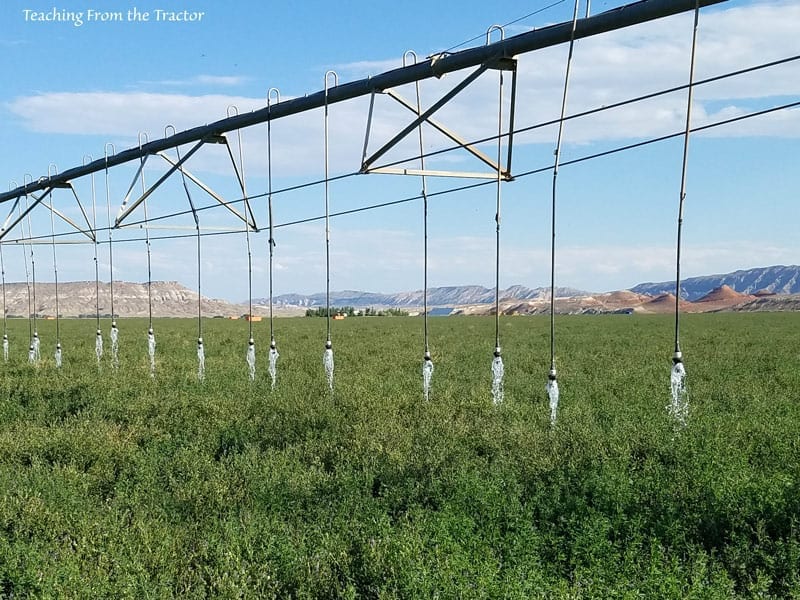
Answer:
(497, 352)
(35, 334)
(58, 346)
(677, 357)
(328, 345)
(251, 342)
(114, 324)
(427, 355)
(99, 333)
(272, 345)
(551, 374)
(199, 341)
(30, 348)
(5, 336)
(150, 331)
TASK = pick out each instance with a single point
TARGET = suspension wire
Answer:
(273, 355)
(427, 354)
(96, 262)
(427, 362)
(247, 238)
(147, 246)
(199, 270)
(35, 338)
(327, 219)
(677, 357)
(271, 240)
(27, 272)
(552, 373)
(55, 276)
(110, 242)
(327, 357)
(498, 368)
(151, 336)
(98, 344)
(497, 221)
(250, 357)
(5, 309)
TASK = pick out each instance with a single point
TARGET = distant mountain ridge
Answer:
(777, 279)
(437, 296)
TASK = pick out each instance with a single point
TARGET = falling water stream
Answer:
(151, 350)
(114, 345)
(427, 375)
(327, 361)
(98, 346)
(273, 363)
(497, 377)
(552, 394)
(201, 360)
(251, 359)
(36, 348)
(678, 407)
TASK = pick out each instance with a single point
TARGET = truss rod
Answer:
(436, 66)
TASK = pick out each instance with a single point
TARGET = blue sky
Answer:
(72, 91)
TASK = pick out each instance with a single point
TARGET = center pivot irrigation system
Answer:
(498, 56)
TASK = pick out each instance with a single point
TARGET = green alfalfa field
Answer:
(113, 485)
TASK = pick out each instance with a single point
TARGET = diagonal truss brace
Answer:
(503, 64)
(40, 199)
(178, 166)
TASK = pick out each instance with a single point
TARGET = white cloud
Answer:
(606, 69)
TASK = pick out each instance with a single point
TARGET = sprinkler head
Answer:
(427, 355)
(5, 336)
(497, 352)
(35, 334)
(30, 348)
(114, 324)
(251, 342)
(58, 346)
(150, 331)
(99, 333)
(551, 374)
(272, 344)
(677, 357)
(199, 341)
(328, 345)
